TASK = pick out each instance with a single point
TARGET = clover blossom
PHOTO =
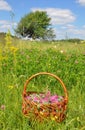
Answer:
(2, 107)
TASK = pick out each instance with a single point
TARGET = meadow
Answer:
(20, 60)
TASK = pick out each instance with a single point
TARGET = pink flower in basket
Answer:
(48, 94)
(44, 100)
(29, 98)
(36, 99)
(54, 99)
(42, 95)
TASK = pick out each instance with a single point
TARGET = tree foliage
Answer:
(35, 25)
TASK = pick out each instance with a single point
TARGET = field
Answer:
(22, 59)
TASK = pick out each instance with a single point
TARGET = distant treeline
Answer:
(73, 40)
(3, 34)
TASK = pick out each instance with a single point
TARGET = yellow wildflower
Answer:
(52, 118)
(41, 112)
(4, 57)
(56, 117)
(13, 49)
(8, 38)
(10, 87)
(78, 119)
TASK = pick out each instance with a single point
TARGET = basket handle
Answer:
(46, 73)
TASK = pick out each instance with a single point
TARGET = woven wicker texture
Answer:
(44, 111)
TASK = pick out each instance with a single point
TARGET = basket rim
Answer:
(51, 104)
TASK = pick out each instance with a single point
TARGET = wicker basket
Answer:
(44, 111)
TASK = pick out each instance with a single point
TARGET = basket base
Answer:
(41, 116)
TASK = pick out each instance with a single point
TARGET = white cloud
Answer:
(84, 26)
(81, 2)
(73, 31)
(68, 26)
(2, 22)
(58, 16)
(76, 31)
(4, 5)
(5, 25)
(69, 31)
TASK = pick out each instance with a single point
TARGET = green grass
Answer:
(65, 46)
(31, 58)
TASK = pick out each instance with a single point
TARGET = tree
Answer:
(35, 25)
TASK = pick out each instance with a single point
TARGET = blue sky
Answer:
(67, 16)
